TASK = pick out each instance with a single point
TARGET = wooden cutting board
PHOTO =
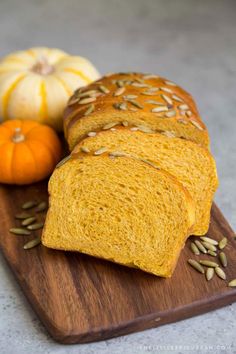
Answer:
(83, 299)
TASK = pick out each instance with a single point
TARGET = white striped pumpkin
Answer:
(36, 84)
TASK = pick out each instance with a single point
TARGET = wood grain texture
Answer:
(82, 299)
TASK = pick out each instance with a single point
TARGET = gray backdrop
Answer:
(190, 42)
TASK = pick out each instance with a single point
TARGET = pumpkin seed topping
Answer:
(100, 151)
(33, 243)
(177, 98)
(110, 125)
(209, 273)
(154, 102)
(189, 113)
(134, 129)
(170, 83)
(194, 249)
(209, 240)
(207, 263)
(150, 76)
(73, 100)
(183, 107)
(166, 89)
(159, 109)
(223, 259)
(200, 246)
(19, 231)
(209, 246)
(30, 204)
(22, 216)
(221, 274)
(232, 283)
(28, 221)
(42, 206)
(196, 266)
(36, 226)
(168, 133)
(223, 243)
(84, 149)
(130, 97)
(87, 93)
(117, 154)
(87, 100)
(103, 89)
(135, 103)
(60, 163)
(138, 84)
(91, 134)
(145, 129)
(170, 114)
(89, 110)
(119, 91)
(196, 124)
(125, 123)
(167, 99)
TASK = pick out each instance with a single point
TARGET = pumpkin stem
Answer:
(18, 137)
(42, 66)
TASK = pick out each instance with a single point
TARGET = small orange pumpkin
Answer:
(29, 151)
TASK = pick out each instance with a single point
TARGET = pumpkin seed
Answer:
(159, 109)
(232, 283)
(130, 97)
(87, 93)
(73, 100)
(177, 98)
(223, 243)
(166, 89)
(103, 89)
(42, 206)
(168, 133)
(170, 114)
(150, 76)
(19, 231)
(183, 107)
(134, 129)
(200, 246)
(139, 84)
(209, 240)
(117, 154)
(123, 106)
(110, 125)
(119, 83)
(223, 259)
(212, 253)
(100, 151)
(221, 274)
(154, 102)
(145, 129)
(189, 113)
(148, 93)
(209, 273)
(84, 149)
(36, 226)
(170, 83)
(167, 99)
(91, 134)
(125, 123)
(209, 246)
(207, 263)
(60, 163)
(136, 104)
(30, 204)
(22, 216)
(196, 124)
(119, 91)
(196, 266)
(89, 110)
(194, 248)
(35, 242)
(87, 100)
(28, 221)
(153, 89)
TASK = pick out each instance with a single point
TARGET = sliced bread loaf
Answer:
(118, 208)
(191, 164)
(136, 99)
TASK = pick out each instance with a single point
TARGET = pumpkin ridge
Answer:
(43, 106)
(65, 86)
(79, 73)
(6, 97)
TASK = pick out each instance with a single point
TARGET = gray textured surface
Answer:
(192, 43)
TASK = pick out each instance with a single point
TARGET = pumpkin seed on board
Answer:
(42, 206)
(221, 274)
(232, 283)
(60, 163)
(209, 263)
(196, 266)
(209, 273)
(209, 246)
(223, 243)
(36, 226)
(30, 204)
(223, 259)
(22, 216)
(200, 246)
(194, 248)
(19, 231)
(212, 253)
(209, 240)
(33, 243)
(28, 221)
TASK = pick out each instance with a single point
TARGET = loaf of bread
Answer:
(136, 99)
(190, 163)
(119, 208)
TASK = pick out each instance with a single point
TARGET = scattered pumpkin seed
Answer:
(28, 221)
(170, 114)
(36, 226)
(30, 204)
(60, 163)
(73, 100)
(223, 243)
(170, 83)
(232, 283)
(139, 84)
(167, 99)
(196, 266)
(145, 129)
(166, 89)
(209, 240)
(136, 104)
(103, 89)
(150, 76)
(200, 246)
(22, 216)
(100, 151)
(89, 110)
(130, 97)
(168, 133)
(183, 107)
(35, 242)
(209, 246)
(117, 153)
(209, 273)
(119, 83)
(159, 109)
(42, 206)
(110, 125)
(221, 274)
(125, 123)
(212, 253)
(87, 100)
(177, 98)
(189, 113)
(84, 149)
(19, 231)
(194, 248)
(196, 124)
(154, 102)
(119, 91)
(223, 259)
(207, 263)
(91, 134)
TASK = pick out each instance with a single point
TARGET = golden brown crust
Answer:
(135, 95)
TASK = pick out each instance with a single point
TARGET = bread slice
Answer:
(191, 164)
(118, 208)
(137, 99)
